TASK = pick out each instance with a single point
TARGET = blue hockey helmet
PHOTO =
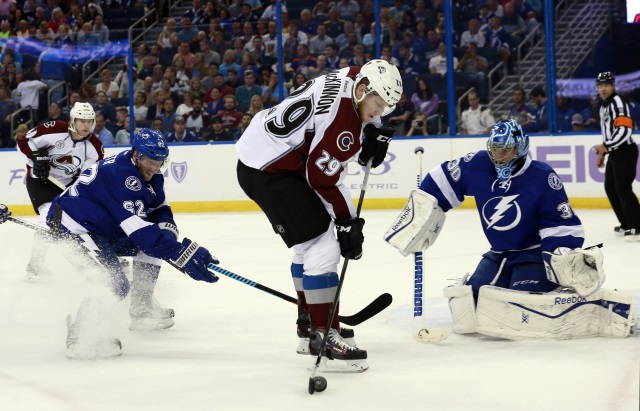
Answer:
(151, 144)
(506, 136)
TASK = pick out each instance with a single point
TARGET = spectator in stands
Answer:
(169, 90)
(188, 32)
(519, 111)
(180, 68)
(87, 37)
(409, 22)
(186, 106)
(270, 40)
(108, 85)
(207, 80)
(495, 8)
(102, 132)
(320, 11)
(271, 92)
(92, 11)
(418, 125)
(247, 34)
(138, 85)
(407, 40)
(45, 34)
(39, 18)
(387, 56)
(74, 97)
(291, 41)
(245, 92)
(140, 110)
(392, 35)
(217, 132)
(347, 29)
(247, 15)
(158, 99)
(197, 118)
(233, 80)
(195, 88)
(421, 12)
(343, 63)
(398, 9)
(564, 113)
(168, 38)
(308, 25)
(438, 64)
(358, 58)
(22, 31)
(476, 68)
(181, 134)
(320, 70)
(186, 54)
(28, 92)
(208, 56)
(101, 30)
(230, 116)
(348, 50)
(334, 23)
(228, 61)
(246, 120)
(103, 106)
(7, 107)
(197, 13)
(11, 75)
(62, 36)
(55, 113)
(400, 118)
(420, 43)
(361, 25)
(347, 9)
(476, 119)
(303, 61)
(158, 75)
(577, 123)
(333, 60)
(318, 43)
(168, 115)
(216, 102)
(158, 124)
(499, 39)
(513, 23)
(591, 115)
(424, 99)
(298, 80)
(218, 81)
(248, 64)
(123, 136)
(269, 12)
(540, 123)
(473, 35)
(148, 91)
(369, 38)
(148, 63)
(256, 105)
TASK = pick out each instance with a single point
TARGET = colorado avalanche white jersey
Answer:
(528, 211)
(316, 131)
(111, 198)
(69, 157)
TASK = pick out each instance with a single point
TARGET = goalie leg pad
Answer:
(519, 315)
(462, 306)
(418, 225)
(580, 269)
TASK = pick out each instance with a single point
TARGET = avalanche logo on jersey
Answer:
(345, 140)
(133, 184)
(68, 163)
(502, 210)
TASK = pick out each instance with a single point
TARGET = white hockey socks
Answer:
(519, 315)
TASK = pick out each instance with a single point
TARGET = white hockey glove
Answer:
(418, 225)
(580, 269)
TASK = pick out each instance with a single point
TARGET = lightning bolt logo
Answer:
(504, 204)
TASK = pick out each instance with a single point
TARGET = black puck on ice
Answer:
(320, 383)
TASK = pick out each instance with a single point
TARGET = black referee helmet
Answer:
(605, 78)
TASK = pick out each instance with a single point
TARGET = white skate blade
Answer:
(431, 335)
(103, 350)
(339, 366)
(150, 324)
(303, 346)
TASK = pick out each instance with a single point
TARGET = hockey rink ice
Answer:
(233, 346)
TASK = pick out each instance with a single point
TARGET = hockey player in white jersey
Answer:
(118, 207)
(536, 281)
(61, 150)
(293, 161)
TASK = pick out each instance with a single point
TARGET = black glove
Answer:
(375, 144)
(41, 164)
(350, 237)
(194, 259)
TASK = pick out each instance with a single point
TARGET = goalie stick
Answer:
(419, 329)
(374, 308)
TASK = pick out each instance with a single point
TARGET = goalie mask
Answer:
(153, 145)
(81, 111)
(506, 145)
(384, 80)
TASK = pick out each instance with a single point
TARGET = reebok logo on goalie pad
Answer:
(408, 210)
(570, 300)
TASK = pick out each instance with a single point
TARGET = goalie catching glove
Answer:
(375, 144)
(193, 260)
(580, 269)
(418, 225)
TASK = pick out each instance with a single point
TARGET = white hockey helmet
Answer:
(82, 111)
(384, 80)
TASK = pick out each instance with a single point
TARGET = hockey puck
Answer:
(320, 383)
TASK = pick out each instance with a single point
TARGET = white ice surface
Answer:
(233, 347)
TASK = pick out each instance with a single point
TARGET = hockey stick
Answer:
(375, 307)
(321, 382)
(419, 329)
(56, 182)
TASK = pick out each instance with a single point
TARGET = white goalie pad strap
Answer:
(519, 315)
(418, 225)
(580, 269)
(172, 228)
(462, 306)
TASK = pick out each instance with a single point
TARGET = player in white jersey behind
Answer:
(293, 161)
(536, 281)
(61, 150)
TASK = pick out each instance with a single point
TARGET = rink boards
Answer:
(202, 177)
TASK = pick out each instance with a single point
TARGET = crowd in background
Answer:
(214, 66)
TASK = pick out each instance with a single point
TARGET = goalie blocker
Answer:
(560, 315)
(418, 225)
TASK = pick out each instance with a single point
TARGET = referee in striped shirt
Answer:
(620, 171)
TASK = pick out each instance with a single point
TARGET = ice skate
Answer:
(618, 231)
(339, 355)
(632, 236)
(304, 329)
(90, 348)
(37, 274)
(150, 317)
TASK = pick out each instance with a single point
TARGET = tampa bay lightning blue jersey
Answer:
(529, 210)
(111, 198)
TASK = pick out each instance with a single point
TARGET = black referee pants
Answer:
(620, 173)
